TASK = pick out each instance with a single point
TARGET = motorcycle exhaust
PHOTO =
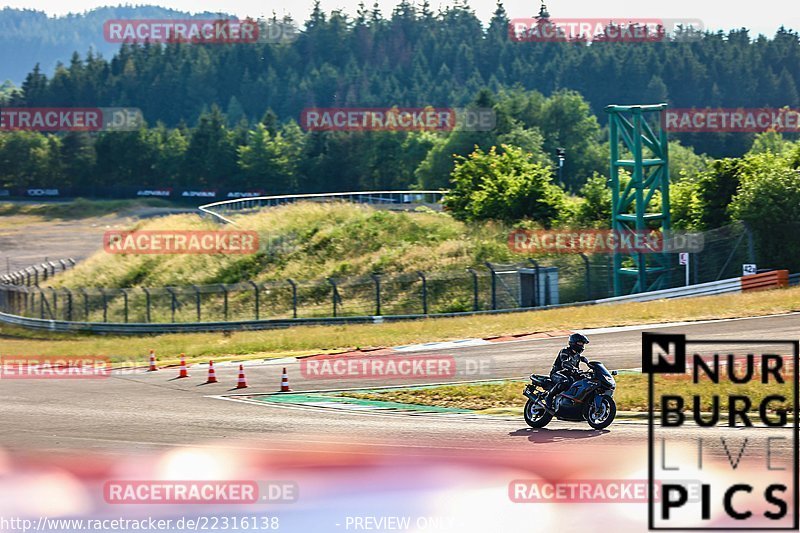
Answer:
(533, 397)
(544, 406)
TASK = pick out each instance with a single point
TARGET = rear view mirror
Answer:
(614, 372)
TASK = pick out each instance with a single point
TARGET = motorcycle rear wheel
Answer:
(536, 416)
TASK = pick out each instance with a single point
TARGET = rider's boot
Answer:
(557, 389)
(550, 398)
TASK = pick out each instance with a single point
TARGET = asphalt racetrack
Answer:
(139, 412)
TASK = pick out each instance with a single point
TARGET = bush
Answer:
(595, 210)
(768, 201)
(508, 187)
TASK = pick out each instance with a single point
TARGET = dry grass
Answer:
(476, 397)
(76, 209)
(631, 393)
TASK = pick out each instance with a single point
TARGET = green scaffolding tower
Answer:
(639, 146)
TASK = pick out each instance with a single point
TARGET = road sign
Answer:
(749, 269)
(683, 259)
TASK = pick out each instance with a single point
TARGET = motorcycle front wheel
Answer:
(536, 416)
(601, 417)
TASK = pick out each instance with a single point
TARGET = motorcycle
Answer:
(589, 398)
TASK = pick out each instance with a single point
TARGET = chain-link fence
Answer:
(536, 282)
(584, 277)
(402, 294)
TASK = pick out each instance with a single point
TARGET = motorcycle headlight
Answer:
(610, 381)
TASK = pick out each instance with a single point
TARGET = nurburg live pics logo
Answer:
(731, 397)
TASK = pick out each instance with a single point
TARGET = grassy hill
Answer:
(305, 241)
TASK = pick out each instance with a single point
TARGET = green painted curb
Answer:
(316, 398)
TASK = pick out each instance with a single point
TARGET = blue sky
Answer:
(763, 16)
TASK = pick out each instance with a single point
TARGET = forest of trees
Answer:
(415, 57)
(226, 117)
(279, 157)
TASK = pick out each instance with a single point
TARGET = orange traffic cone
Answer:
(285, 381)
(212, 376)
(152, 361)
(241, 383)
(184, 373)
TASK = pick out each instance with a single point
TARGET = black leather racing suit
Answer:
(563, 373)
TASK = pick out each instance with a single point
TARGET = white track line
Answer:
(443, 345)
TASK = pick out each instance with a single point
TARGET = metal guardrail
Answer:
(794, 279)
(245, 325)
(30, 276)
(703, 289)
(395, 198)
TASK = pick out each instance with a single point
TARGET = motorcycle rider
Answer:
(565, 368)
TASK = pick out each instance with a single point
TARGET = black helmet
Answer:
(576, 342)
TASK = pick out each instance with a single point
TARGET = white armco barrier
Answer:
(382, 198)
(702, 289)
